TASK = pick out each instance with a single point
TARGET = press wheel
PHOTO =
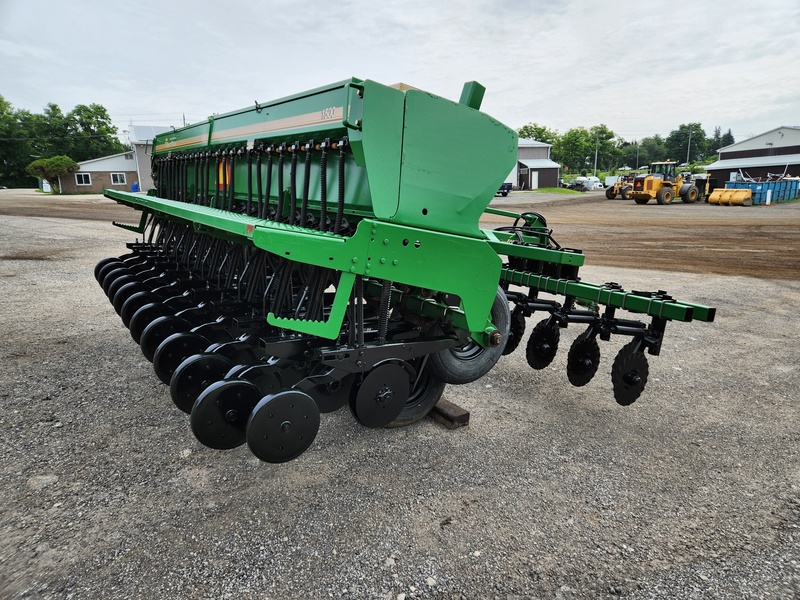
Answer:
(629, 373)
(543, 344)
(174, 350)
(106, 261)
(146, 315)
(109, 277)
(127, 304)
(194, 375)
(220, 414)
(270, 375)
(158, 331)
(282, 426)
(123, 293)
(119, 282)
(583, 359)
(381, 396)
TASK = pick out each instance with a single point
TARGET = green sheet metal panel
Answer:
(376, 137)
(454, 160)
(315, 112)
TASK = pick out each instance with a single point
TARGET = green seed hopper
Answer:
(324, 249)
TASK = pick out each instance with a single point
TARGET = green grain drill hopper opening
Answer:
(324, 249)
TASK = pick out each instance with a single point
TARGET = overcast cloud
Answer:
(638, 67)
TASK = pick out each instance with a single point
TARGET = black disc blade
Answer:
(516, 331)
(220, 414)
(543, 344)
(629, 374)
(332, 396)
(380, 398)
(282, 426)
(582, 360)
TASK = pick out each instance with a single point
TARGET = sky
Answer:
(641, 68)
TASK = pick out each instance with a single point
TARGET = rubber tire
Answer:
(691, 195)
(610, 193)
(665, 195)
(421, 401)
(623, 193)
(641, 200)
(451, 368)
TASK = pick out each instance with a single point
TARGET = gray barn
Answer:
(761, 157)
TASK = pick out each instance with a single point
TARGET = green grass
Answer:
(556, 190)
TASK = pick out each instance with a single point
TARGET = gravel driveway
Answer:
(550, 492)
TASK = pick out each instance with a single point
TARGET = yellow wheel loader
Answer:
(621, 187)
(663, 184)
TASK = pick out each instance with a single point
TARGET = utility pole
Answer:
(689, 146)
(596, 142)
(637, 154)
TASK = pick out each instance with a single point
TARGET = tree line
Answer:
(83, 133)
(577, 149)
(86, 132)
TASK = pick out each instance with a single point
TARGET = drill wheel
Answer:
(426, 389)
(130, 298)
(106, 261)
(110, 274)
(629, 373)
(146, 315)
(220, 414)
(158, 331)
(583, 359)
(194, 375)
(282, 426)
(174, 350)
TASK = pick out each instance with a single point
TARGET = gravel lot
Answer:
(551, 491)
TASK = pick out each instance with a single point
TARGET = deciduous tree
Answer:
(687, 143)
(537, 132)
(83, 133)
(51, 169)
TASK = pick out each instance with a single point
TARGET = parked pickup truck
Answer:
(504, 189)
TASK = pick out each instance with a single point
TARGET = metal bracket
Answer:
(135, 228)
(348, 91)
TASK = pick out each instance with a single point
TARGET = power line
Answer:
(65, 137)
